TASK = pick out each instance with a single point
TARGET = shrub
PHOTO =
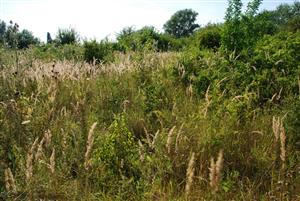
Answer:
(67, 36)
(25, 39)
(209, 37)
(147, 39)
(238, 32)
(98, 52)
(48, 52)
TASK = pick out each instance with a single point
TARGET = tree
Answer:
(49, 38)
(2, 32)
(11, 35)
(67, 36)
(182, 23)
(26, 38)
(146, 38)
(238, 31)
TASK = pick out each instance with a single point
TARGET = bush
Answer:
(25, 39)
(67, 36)
(50, 52)
(147, 39)
(98, 52)
(209, 37)
(143, 39)
(280, 51)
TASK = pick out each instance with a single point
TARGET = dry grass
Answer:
(10, 183)
(215, 172)
(54, 102)
(89, 146)
(190, 174)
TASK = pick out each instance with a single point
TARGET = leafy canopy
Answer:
(182, 23)
(67, 36)
(239, 28)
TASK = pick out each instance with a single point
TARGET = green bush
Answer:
(280, 52)
(25, 39)
(50, 52)
(98, 52)
(67, 36)
(209, 37)
(147, 39)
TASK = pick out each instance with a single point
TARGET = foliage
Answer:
(162, 117)
(182, 23)
(118, 150)
(209, 37)
(67, 36)
(2, 32)
(49, 52)
(146, 39)
(293, 24)
(238, 31)
(25, 39)
(11, 35)
(98, 52)
(49, 38)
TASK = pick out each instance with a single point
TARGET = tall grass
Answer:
(156, 138)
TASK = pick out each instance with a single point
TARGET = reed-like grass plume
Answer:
(280, 135)
(34, 146)
(212, 173)
(141, 151)
(177, 138)
(64, 143)
(169, 139)
(154, 139)
(34, 150)
(282, 144)
(190, 174)
(29, 167)
(89, 145)
(39, 152)
(9, 181)
(52, 161)
(215, 172)
(48, 137)
(276, 124)
(207, 100)
(147, 137)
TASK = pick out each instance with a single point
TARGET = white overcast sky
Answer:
(104, 18)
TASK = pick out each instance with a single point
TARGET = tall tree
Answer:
(2, 32)
(182, 23)
(49, 38)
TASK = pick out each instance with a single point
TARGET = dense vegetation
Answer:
(212, 115)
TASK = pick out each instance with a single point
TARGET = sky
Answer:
(97, 19)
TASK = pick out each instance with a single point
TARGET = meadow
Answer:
(198, 121)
